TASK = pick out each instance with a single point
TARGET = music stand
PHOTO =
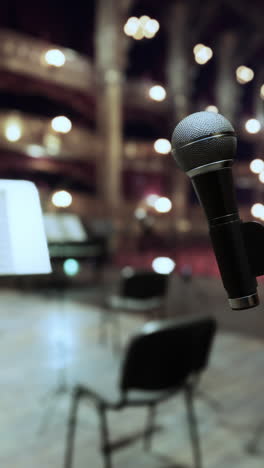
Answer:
(23, 245)
(62, 230)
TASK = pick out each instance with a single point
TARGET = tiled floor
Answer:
(46, 342)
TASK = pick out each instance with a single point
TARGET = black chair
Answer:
(164, 358)
(141, 292)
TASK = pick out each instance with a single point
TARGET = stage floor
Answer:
(47, 342)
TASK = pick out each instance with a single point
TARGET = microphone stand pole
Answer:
(62, 386)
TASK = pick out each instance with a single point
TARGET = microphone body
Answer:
(203, 146)
(216, 193)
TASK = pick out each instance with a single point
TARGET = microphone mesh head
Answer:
(203, 138)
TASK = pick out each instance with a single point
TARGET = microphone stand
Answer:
(253, 444)
(62, 386)
(253, 234)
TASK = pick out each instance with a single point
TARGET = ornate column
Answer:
(178, 75)
(110, 51)
(227, 89)
(258, 108)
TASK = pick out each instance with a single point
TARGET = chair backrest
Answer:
(165, 353)
(143, 285)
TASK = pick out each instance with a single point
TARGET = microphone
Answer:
(204, 146)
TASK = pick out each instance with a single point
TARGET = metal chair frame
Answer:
(187, 385)
(141, 292)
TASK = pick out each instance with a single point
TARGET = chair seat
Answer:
(143, 305)
(101, 381)
(114, 400)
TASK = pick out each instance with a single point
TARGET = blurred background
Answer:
(90, 93)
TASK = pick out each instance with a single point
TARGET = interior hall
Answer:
(131, 240)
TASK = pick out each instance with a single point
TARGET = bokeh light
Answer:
(151, 28)
(140, 213)
(262, 91)
(252, 126)
(163, 205)
(261, 177)
(52, 143)
(61, 124)
(35, 151)
(212, 108)
(13, 129)
(244, 74)
(143, 20)
(202, 54)
(127, 271)
(257, 166)
(197, 48)
(131, 26)
(151, 199)
(157, 93)
(257, 210)
(62, 199)
(71, 267)
(163, 265)
(55, 57)
(162, 146)
(139, 34)
(138, 28)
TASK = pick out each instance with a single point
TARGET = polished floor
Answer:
(49, 342)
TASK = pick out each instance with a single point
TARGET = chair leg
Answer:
(253, 445)
(102, 332)
(116, 337)
(105, 443)
(71, 426)
(108, 319)
(193, 427)
(149, 426)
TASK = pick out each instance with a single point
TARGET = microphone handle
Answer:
(233, 262)
(216, 193)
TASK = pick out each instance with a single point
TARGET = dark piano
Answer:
(69, 239)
